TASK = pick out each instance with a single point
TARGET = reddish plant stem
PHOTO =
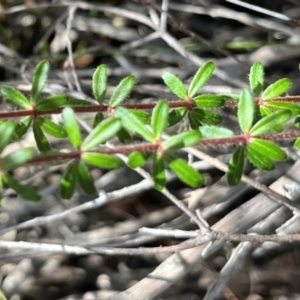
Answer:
(144, 147)
(141, 106)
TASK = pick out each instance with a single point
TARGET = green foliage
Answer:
(100, 83)
(175, 85)
(260, 115)
(72, 127)
(122, 91)
(15, 96)
(256, 78)
(276, 89)
(40, 77)
(246, 110)
(159, 118)
(201, 77)
(236, 166)
(13, 160)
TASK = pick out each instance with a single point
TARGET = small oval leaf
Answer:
(137, 159)
(176, 115)
(40, 139)
(85, 179)
(236, 166)
(17, 158)
(15, 96)
(52, 128)
(276, 89)
(39, 80)
(101, 133)
(26, 192)
(209, 100)
(7, 129)
(133, 124)
(22, 127)
(185, 172)
(51, 102)
(277, 105)
(269, 122)
(175, 85)
(101, 160)
(269, 149)
(158, 172)
(69, 180)
(100, 83)
(181, 140)
(256, 78)
(246, 110)
(213, 132)
(72, 127)
(122, 91)
(257, 159)
(201, 77)
(159, 118)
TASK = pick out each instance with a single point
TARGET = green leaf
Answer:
(209, 100)
(159, 118)
(259, 160)
(133, 123)
(24, 191)
(101, 160)
(72, 127)
(144, 116)
(201, 77)
(100, 83)
(195, 118)
(39, 80)
(158, 172)
(268, 148)
(246, 110)
(277, 105)
(297, 143)
(198, 116)
(276, 89)
(51, 128)
(213, 132)
(236, 166)
(85, 179)
(137, 159)
(22, 127)
(7, 130)
(176, 115)
(122, 91)
(51, 102)
(69, 180)
(124, 136)
(256, 78)
(268, 123)
(264, 111)
(185, 172)
(15, 96)
(181, 140)
(17, 158)
(99, 117)
(103, 132)
(40, 139)
(175, 85)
